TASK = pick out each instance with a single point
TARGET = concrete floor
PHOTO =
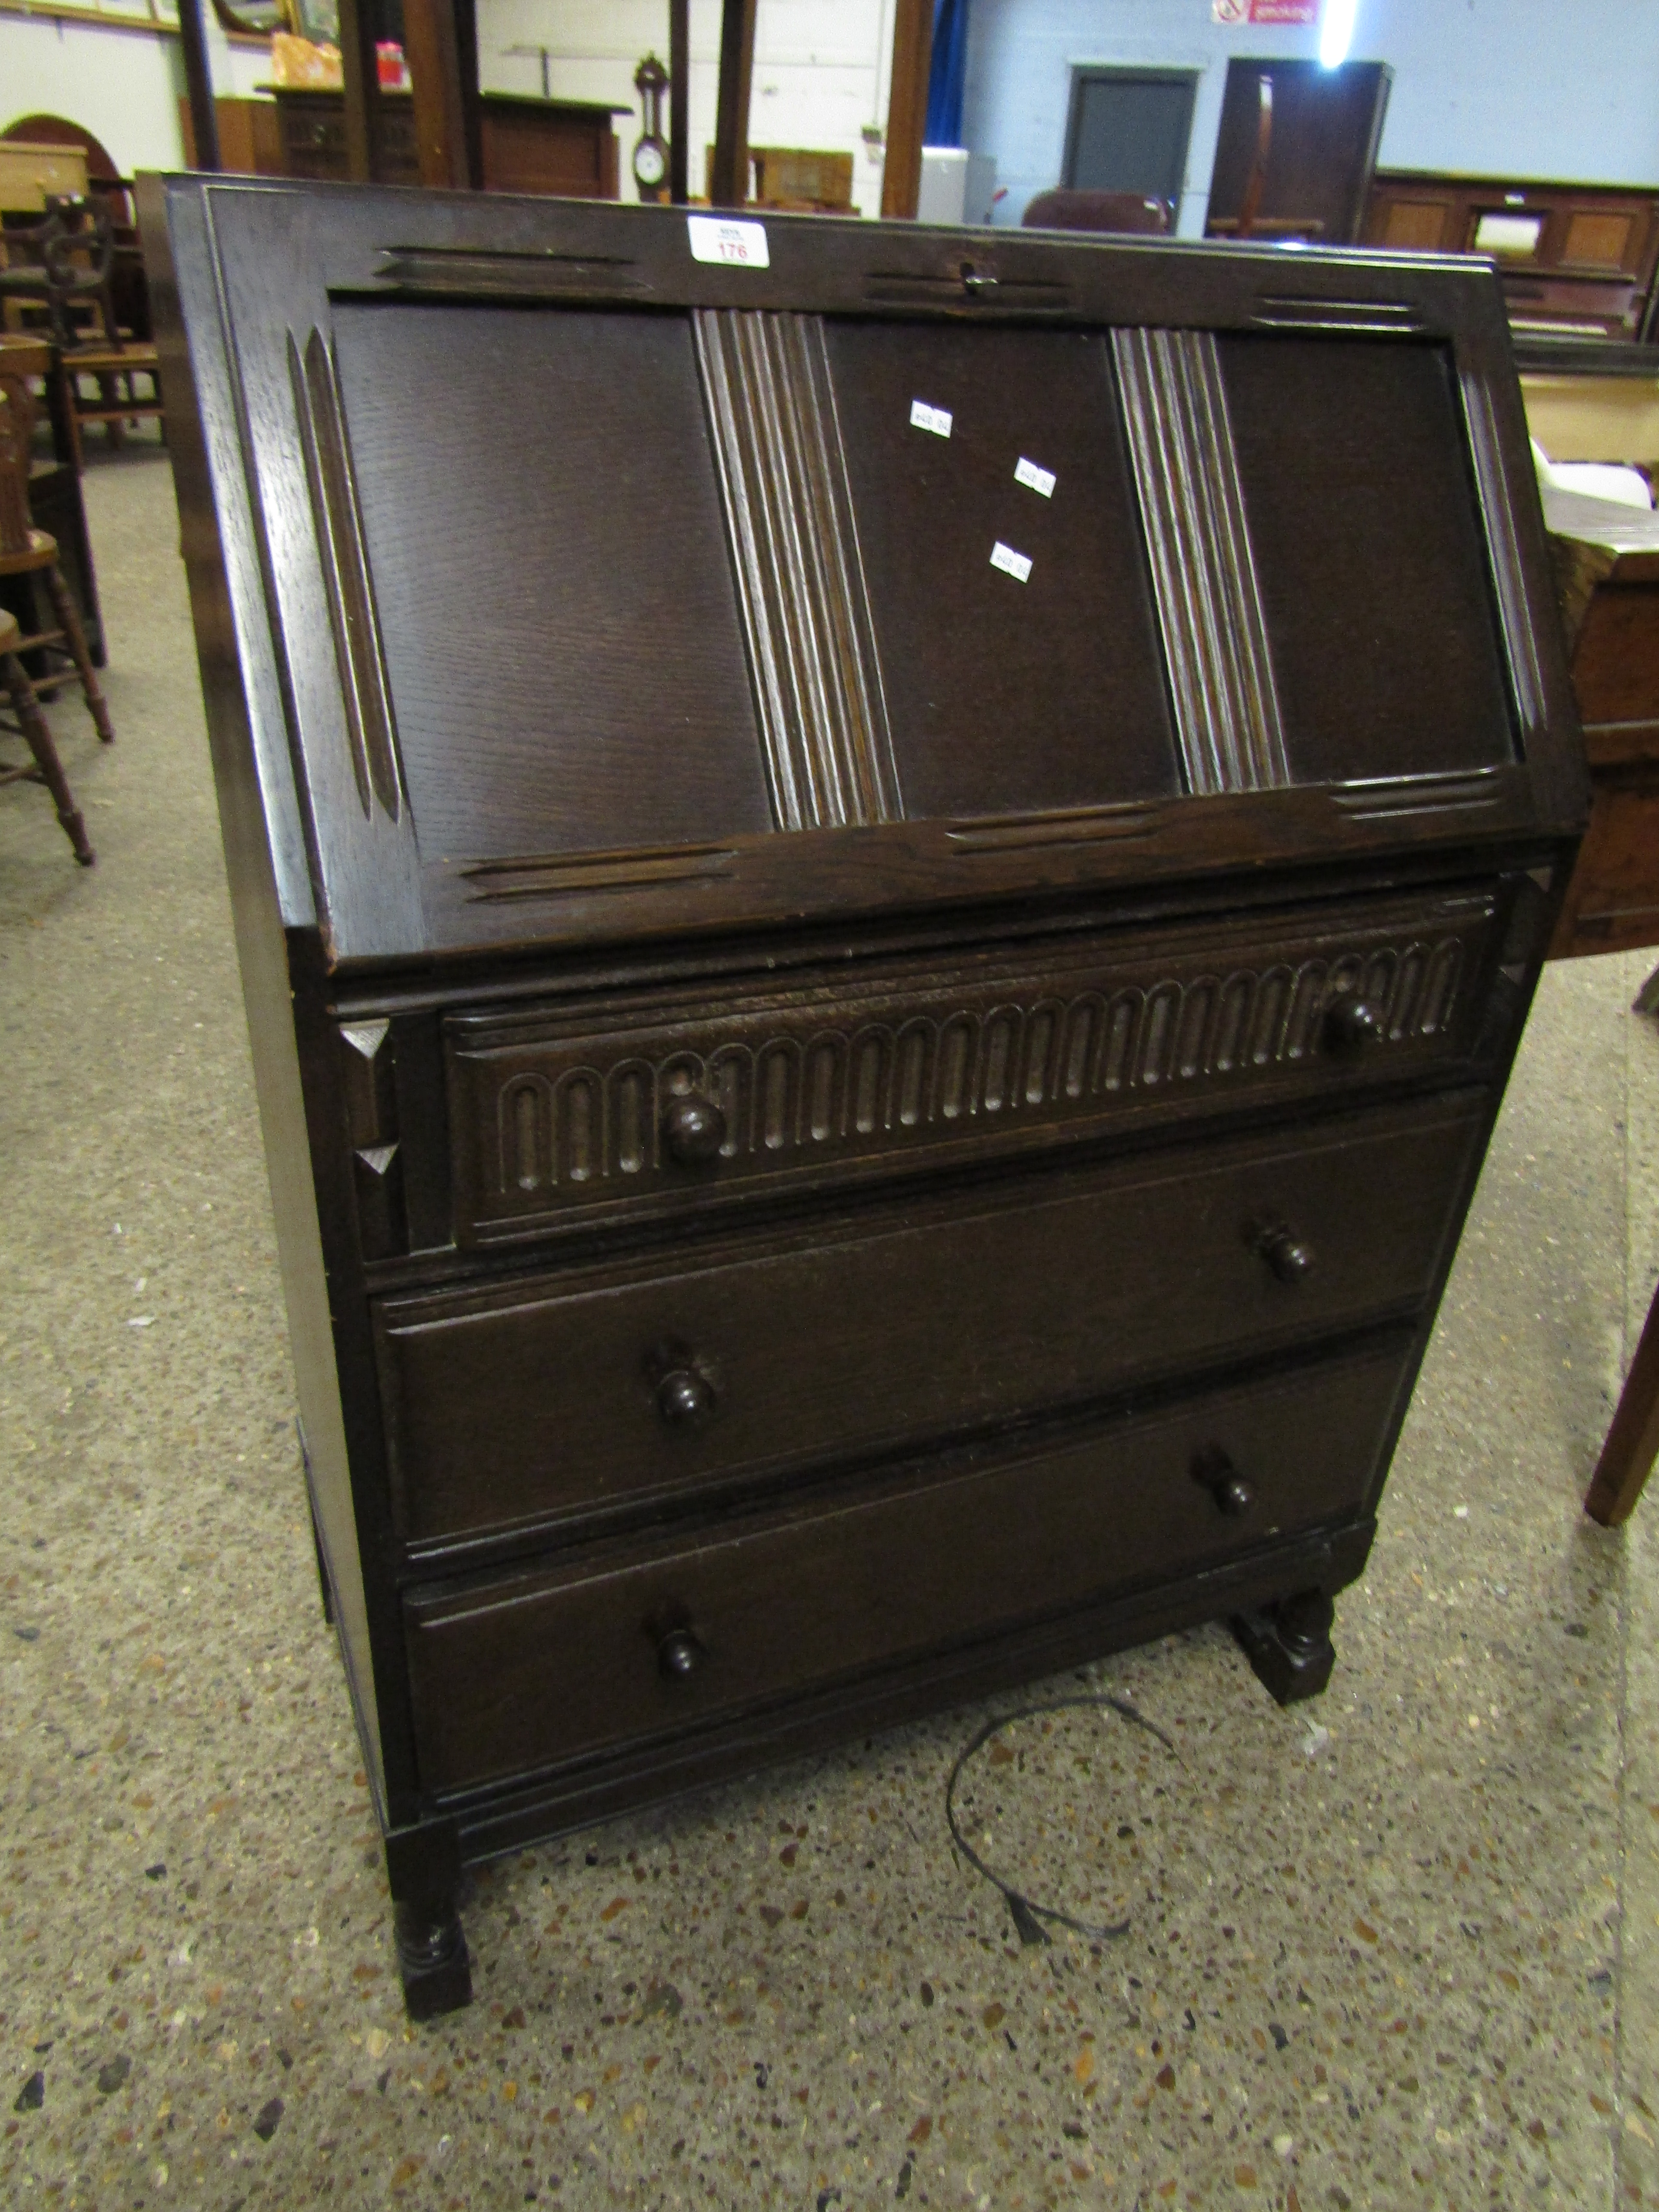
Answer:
(1398, 1949)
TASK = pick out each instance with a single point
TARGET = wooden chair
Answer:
(106, 183)
(44, 767)
(64, 264)
(67, 271)
(1063, 209)
(27, 552)
(1633, 1443)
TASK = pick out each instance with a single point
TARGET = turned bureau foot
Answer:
(432, 1960)
(424, 1865)
(1289, 1644)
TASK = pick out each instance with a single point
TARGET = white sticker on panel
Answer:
(734, 244)
(1039, 480)
(924, 418)
(1018, 565)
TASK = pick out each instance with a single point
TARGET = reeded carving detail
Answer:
(1497, 515)
(800, 575)
(593, 1130)
(1203, 580)
(370, 726)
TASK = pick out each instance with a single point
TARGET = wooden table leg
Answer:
(1632, 1442)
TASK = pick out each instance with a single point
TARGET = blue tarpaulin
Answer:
(945, 78)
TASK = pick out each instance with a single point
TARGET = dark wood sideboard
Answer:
(876, 1098)
(566, 147)
(1607, 564)
(1576, 261)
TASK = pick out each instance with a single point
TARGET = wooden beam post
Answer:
(361, 80)
(435, 68)
(729, 187)
(906, 107)
(679, 101)
(198, 85)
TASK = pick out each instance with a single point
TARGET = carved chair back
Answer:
(66, 262)
(16, 430)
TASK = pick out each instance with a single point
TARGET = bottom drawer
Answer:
(515, 1673)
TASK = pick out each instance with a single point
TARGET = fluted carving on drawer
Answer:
(1038, 1056)
(1204, 581)
(800, 579)
(655, 1099)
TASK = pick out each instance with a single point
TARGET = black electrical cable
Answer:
(1028, 1918)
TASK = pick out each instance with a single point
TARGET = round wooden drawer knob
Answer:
(1351, 1025)
(1232, 1492)
(680, 1655)
(693, 1128)
(1291, 1259)
(685, 1398)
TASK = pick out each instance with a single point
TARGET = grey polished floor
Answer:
(1398, 1949)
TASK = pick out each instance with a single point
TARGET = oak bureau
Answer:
(886, 880)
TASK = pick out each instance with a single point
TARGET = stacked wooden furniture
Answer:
(1607, 560)
(799, 179)
(33, 171)
(1576, 261)
(883, 1104)
(566, 147)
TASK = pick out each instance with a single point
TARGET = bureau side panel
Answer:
(265, 860)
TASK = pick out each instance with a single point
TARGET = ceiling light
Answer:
(1336, 33)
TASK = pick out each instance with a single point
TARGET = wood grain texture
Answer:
(541, 1404)
(603, 700)
(729, 184)
(906, 107)
(357, 650)
(1209, 605)
(679, 1218)
(800, 579)
(923, 1065)
(1607, 564)
(1003, 696)
(984, 1548)
(1371, 558)
(1632, 1439)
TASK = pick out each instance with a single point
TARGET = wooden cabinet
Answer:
(1295, 147)
(251, 137)
(924, 1018)
(1608, 560)
(1577, 260)
(566, 147)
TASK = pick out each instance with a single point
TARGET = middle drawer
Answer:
(591, 1388)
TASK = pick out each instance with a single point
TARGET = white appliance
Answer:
(956, 185)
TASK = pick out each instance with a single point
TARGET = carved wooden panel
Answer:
(800, 579)
(1376, 552)
(553, 1111)
(1209, 607)
(358, 654)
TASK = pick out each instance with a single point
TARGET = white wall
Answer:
(1565, 88)
(124, 86)
(821, 70)
(1548, 88)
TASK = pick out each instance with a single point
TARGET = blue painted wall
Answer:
(1537, 88)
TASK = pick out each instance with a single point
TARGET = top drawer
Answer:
(554, 1109)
